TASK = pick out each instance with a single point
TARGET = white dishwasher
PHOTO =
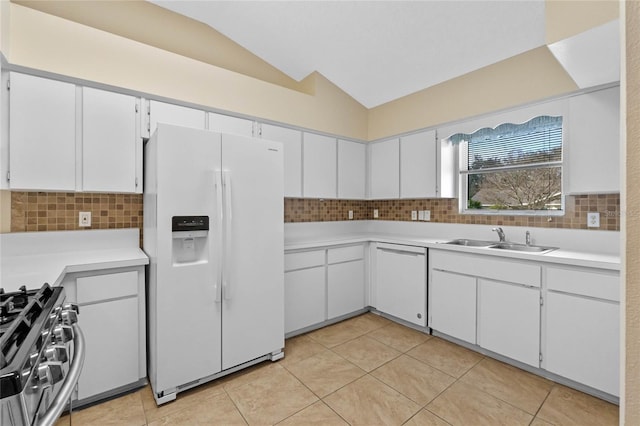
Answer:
(401, 282)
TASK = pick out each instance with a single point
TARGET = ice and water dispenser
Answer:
(189, 235)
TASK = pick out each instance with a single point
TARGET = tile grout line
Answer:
(542, 404)
(235, 405)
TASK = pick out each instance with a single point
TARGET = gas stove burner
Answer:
(19, 311)
(39, 338)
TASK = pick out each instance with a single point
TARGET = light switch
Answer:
(414, 215)
(427, 215)
(421, 215)
(375, 213)
(350, 214)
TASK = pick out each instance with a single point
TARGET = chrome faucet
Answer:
(527, 238)
(500, 234)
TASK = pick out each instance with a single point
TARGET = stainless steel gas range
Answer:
(41, 355)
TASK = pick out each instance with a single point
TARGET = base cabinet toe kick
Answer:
(560, 322)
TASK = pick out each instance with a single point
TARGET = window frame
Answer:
(515, 116)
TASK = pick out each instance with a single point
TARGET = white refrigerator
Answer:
(213, 229)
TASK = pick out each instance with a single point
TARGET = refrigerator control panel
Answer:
(189, 223)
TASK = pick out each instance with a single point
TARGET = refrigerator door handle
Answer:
(228, 252)
(218, 235)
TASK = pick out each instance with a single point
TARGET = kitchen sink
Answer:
(469, 243)
(521, 247)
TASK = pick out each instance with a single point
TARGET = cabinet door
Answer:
(582, 340)
(111, 331)
(384, 170)
(351, 170)
(42, 134)
(345, 288)
(319, 166)
(452, 305)
(292, 142)
(509, 320)
(110, 150)
(401, 285)
(304, 298)
(228, 124)
(594, 142)
(418, 165)
(160, 112)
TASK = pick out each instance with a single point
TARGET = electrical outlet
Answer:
(593, 220)
(375, 213)
(350, 214)
(427, 215)
(84, 219)
(414, 215)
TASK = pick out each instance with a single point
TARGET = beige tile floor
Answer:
(364, 371)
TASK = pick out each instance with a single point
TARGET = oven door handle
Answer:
(60, 402)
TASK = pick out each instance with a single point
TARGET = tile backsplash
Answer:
(445, 210)
(49, 211)
(58, 211)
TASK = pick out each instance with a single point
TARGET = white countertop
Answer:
(31, 260)
(558, 256)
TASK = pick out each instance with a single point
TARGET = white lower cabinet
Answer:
(112, 320)
(582, 340)
(304, 295)
(452, 305)
(304, 289)
(401, 282)
(321, 285)
(112, 357)
(509, 320)
(562, 319)
(345, 280)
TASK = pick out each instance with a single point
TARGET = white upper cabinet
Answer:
(42, 134)
(594, 142)
(319, 166)
(384, 169)
(228, 124)
(291, 140)
(351, 170)
(110, 149)
(160, 112)
(418, 165)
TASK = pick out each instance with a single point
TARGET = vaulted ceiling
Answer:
(376, 51)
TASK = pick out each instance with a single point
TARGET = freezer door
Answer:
(185, 297)
(253, 272)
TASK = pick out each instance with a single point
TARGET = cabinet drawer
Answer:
(108, 286)
(512, 271)
(303, 259)
(601, 285)
(345, 254)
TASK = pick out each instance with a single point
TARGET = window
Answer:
(514, 167)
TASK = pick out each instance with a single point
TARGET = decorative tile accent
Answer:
(445, 210)
(58, 211)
